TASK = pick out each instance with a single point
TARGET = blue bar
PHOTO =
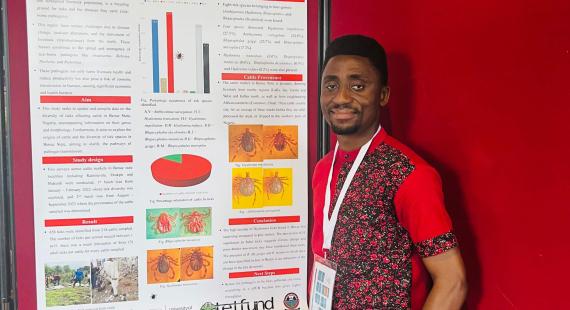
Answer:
(155, 68)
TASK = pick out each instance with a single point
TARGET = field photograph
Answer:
(67, 284)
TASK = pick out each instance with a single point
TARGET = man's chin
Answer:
(348, 130)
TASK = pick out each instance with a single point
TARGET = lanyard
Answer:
(329, 225)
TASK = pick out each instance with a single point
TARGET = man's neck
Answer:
(349, 143)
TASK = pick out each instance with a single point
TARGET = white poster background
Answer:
(98, 126)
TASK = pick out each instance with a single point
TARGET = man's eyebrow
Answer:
(330, 78)
(358, 76)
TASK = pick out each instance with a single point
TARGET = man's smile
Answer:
(342, 113)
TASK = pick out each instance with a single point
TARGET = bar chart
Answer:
(180, 56)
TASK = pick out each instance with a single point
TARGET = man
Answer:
(389, 224)
(78, 277)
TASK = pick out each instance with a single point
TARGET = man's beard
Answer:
(345, 130)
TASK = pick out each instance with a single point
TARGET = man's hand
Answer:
(449, 284)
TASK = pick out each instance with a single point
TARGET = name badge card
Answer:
(324, 272)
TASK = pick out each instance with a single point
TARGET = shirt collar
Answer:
(350, 156)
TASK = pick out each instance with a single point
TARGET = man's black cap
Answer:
(360, 45)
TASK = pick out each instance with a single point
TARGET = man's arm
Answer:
(449, 284)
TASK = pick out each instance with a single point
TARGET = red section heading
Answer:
(264, 220)
(262, 77)
(86, 99)
(87, 159)
(263, 273)
(89, 221)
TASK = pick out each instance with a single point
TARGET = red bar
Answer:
(86, 99)
(170, 52)
(262, 77)
(87, 159)
(264, 220)
(89, 221)
(263, 273)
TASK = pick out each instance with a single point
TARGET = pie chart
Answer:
(181, 170)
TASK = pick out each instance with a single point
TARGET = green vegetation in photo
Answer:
(68, 296)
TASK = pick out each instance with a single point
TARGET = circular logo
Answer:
(291, 301)
(208, 306)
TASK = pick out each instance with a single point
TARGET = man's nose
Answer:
(342, 96)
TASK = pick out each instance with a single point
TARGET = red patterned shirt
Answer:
(392, 215)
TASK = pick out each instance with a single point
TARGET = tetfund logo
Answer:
(244, 304)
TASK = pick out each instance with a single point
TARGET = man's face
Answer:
(351, 95)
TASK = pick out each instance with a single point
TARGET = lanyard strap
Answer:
(329, 225)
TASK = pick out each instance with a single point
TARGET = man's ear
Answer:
(384, 96)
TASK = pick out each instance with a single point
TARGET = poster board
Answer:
(169, 153)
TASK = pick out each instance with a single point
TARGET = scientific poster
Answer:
(169, 149)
